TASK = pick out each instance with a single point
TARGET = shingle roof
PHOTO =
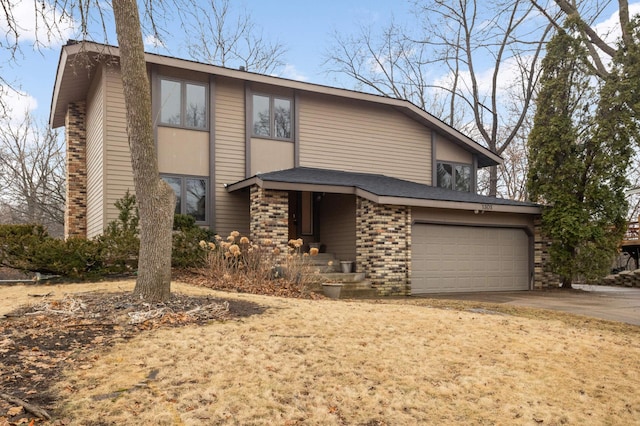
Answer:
(380, 185)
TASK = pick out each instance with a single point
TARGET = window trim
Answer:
(183, 189)
(453, 165)
(272, 98)
(183, 103)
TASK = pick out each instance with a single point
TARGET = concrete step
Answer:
(354, 290)
(324, 262)
(322, 258)
(341, 277)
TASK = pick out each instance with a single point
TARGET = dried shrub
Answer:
(239, 263)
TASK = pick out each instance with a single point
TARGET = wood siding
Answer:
(448, 151)
(118, 173)
(338, 225)
(361, 137)
(270, 155)
(182, 151)
(95, 147)
(232, 210)
(429, 215)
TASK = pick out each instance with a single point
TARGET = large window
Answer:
(191, 195)
(454, 176)
(271, 117)
(183, 104)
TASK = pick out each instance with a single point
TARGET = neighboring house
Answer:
(376, 180)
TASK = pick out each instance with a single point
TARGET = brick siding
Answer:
(270, 217)
(542, 276)
(75, 214)
(383, 246)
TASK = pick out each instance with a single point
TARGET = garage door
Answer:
(449, 258)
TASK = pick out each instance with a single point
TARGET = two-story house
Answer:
(373, 179)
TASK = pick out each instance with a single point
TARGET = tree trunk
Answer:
(493, 181)
(156, 199)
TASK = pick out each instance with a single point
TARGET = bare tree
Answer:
(584, 14)
(389, 64)
(220, 38)
(32, 174)
(469, 55)
(156, 199)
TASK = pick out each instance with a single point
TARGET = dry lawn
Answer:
(358, 362)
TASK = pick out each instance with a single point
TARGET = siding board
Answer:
(118, 174)
(361, 137)
(95, 146)
(232, 210)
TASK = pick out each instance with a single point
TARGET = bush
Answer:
(74, 258)
(187, 251)
(119, 244)
(30, 248)
(17, 242)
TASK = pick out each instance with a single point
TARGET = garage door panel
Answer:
(448, 258)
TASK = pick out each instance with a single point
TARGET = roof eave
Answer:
(480, 208)
(486, 157)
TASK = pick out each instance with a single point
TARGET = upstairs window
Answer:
(454, 176)
(191, 196)
(183, 104)
(271, 117)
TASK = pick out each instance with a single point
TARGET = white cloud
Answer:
(17, 103)
(47, 26)
(609, 29)
(152, 42)
(291, 72)
(510, 73)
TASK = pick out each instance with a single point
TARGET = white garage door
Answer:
(447, 258)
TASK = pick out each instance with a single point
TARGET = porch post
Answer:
(270, 218)
(542, 277)
(383, 246)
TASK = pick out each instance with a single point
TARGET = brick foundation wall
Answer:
(270, 217)
(75, 214)
(383, 246)
(542, 277)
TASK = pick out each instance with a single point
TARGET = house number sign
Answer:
(487, 207)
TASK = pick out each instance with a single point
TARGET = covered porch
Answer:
(368, 218)
(327, 209)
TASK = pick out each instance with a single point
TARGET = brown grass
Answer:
(348, 362)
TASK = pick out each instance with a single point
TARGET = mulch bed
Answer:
(274, 287)
(37, 343)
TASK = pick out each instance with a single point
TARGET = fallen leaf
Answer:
(14, 411)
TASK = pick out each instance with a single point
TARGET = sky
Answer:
(303, 27)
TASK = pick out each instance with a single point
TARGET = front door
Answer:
(302, 215)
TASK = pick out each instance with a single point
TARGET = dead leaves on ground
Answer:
(274, 287)
(38, 342)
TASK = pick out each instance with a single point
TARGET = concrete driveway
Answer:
(611, 303)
